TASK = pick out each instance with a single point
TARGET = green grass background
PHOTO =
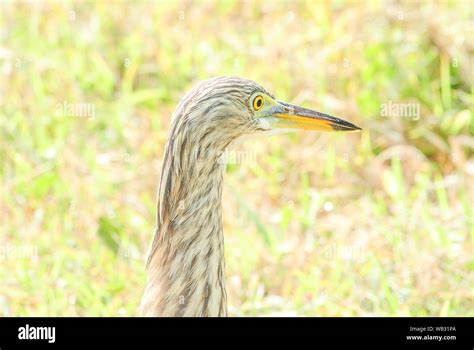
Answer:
(374, 223)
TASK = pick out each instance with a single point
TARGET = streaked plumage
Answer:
(186, 272)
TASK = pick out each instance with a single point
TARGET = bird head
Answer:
(270, 114)
(225, 108)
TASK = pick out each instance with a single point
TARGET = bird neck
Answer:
(186, 264)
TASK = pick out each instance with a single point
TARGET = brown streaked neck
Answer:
(186, 268)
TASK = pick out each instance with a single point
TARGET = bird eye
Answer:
(258, 102)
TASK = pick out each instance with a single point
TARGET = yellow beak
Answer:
(285, 115)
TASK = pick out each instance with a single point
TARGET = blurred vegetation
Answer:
(376, 223)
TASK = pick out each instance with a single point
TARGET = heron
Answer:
(186, 265)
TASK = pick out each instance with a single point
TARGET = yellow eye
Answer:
(258, 102)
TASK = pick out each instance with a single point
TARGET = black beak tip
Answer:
(343, 125)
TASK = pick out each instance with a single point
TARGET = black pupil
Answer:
(259, 102)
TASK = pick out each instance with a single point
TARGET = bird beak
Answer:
(285, 115)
